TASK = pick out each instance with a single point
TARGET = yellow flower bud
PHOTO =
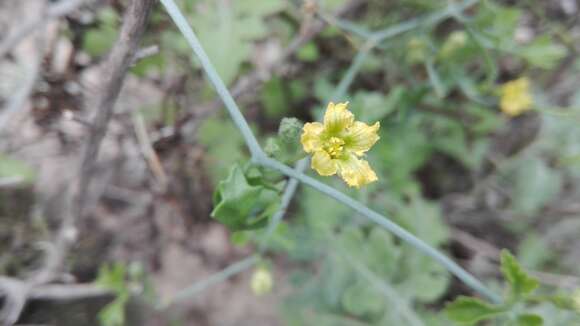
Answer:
(262, 281)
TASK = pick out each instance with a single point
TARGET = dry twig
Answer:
(114, 70)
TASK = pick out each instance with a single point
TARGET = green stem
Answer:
(221, 276)
(450, 11)
(389, 225)
(214, 78)
(287, 196)
(259, 157)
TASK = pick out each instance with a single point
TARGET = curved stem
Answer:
(287, 196)
(450, 11)
(214, 78)
(259, 157)
(386, 223)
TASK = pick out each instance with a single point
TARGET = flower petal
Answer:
(360, 137)
(323, 163)
(310, 138)
(356, 172)
(337, 117)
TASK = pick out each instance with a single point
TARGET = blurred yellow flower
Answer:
(338, 143)
(516, 97)
(262, 281)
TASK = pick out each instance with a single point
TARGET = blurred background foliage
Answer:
(453, 169)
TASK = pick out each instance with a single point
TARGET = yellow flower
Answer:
(515, 97)
(337, 145)
(262, 281)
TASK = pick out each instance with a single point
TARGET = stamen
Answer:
(334, 147)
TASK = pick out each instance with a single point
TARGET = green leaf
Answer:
(98, 41)
(543, 52)
(113, 314)
(536, 184)
(240, 205)
(497, 24)
(227, 30)
(529, 320)
(533, 251)
(15, 169)
(521, 284)
(112, 277)
(428, 283)
(383, 254)
(338, 278)
(362, 300)
(423, 218)
(321, 211)
(374, 106)
(468, 310)
(224, 147)
(402, 143)
(561, 301)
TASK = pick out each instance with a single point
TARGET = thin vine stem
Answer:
(287, 196)
(233, 109)
(386, 223)
(198, 287)
(373, 40)
(260, 158)
(450, 11)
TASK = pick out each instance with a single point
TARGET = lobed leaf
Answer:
(521, 284)
(468, 310)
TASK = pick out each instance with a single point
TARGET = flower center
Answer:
(334, 147)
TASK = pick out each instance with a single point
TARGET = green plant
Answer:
(518, 299)
(440, 103)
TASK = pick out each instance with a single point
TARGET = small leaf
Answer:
(530, 320)
(242, 206)
(467, 310)
(228, 29)
(560, 301)
(543, 52)
(112, 277)
(113, 314)
(521, 284)
(429, 284)
(382, 254)
(99, 40)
